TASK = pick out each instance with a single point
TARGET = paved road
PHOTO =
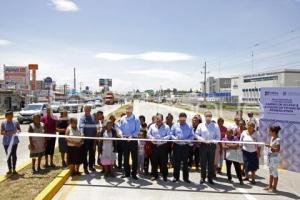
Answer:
(97, 187)
(23, 152)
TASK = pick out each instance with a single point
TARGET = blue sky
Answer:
(149, 44)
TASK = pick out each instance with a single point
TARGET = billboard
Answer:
(17, 77)
(105, 82)
(281, 106)
(48, 82)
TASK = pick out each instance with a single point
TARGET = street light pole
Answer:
(74, 79)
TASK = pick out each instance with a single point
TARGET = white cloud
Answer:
(165, 56)
(113, 56)
(4, 42)
(65, 5)
(148, 56)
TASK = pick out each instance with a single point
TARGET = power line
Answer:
(249, 49)
(275, 57)
(237, 58)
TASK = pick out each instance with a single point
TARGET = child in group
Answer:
(37, 145)
(273, 158)
(141, 151)
(75, 154)
(147, 150)
(148, 154)
(108, 148)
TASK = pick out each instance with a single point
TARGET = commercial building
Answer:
(247, 87)
(217, 85)
(10, 100)
(17, 78)
(2, 84)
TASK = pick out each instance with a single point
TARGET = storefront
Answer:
(10, 100)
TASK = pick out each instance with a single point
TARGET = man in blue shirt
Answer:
(159, 131)
(88, 127)
(130, 128)
(181, 131)
(207, 132)
(169, 122)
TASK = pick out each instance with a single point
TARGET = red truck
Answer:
(111, 98)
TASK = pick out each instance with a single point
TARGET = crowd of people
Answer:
(179, 145)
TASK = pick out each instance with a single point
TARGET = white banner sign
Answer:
(280, 103)
(280, 106)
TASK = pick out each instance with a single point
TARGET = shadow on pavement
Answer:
(143, 184)
(175, 189)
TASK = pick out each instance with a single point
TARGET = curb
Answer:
(4, 177)
(50, 191)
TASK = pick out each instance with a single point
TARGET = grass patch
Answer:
(228, 115)
(27, 185)
(119, 111)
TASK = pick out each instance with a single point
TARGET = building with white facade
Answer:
(247, 87)
(217, 85)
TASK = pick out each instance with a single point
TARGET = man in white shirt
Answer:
(208, 133)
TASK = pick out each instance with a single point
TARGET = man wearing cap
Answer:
(130, 128)
(159, 131)
(181, 131)
(207, 132)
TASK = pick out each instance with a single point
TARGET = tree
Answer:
(174, 91)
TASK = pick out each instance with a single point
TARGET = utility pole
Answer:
(80, 86)
(74, 79)
(204, 81)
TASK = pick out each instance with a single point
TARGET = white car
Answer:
(99, 103)
(31, 109)
(91, 104)
(56, 106)
(74, 106)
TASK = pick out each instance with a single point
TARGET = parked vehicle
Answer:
(74, 106)
(98, 102)
(111, 98)
(91, 104)
(31, 109)
(64, 106)
(56, 106)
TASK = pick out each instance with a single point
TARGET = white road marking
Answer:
(246, 194)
